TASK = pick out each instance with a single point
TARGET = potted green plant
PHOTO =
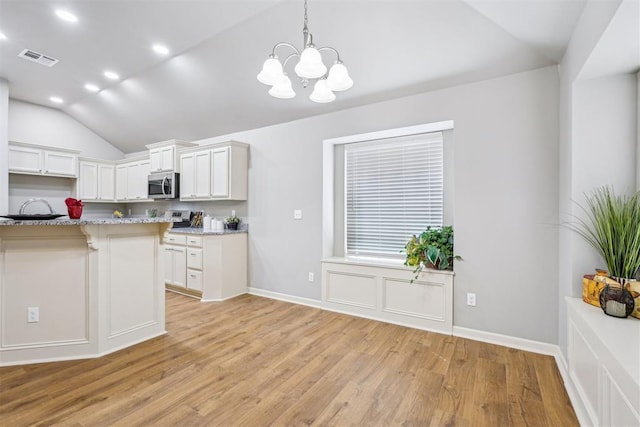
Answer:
(611, 224)
(433, 248)
(232, 222)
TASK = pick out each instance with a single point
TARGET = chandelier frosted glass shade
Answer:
(321, 93)
(339, 79)
(271, 71)
(282, 89)
(310, 66)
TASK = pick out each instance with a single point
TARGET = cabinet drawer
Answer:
(176, 239)
(194, 241)
(194, 280)
(194, 258)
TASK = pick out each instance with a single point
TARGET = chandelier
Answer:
(309, 67)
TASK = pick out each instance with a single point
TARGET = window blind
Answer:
(394, 189)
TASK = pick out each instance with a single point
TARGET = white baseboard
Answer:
(284, 297)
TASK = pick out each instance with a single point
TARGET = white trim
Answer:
(392, 133)
(284, 297)
(507, 341)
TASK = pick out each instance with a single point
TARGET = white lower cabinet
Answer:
(214, 268)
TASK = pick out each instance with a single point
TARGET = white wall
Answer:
(505, 204)
(40, 125)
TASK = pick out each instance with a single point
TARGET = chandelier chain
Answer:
(305, 14)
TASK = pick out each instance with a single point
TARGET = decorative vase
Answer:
(75, 212)
(616, 301)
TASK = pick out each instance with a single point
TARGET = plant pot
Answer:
(75, 212)
(232, 226)
(616, 301)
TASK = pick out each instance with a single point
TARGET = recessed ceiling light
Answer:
(2, 36)
(56, 99)
(111, 75)
(66, 16)
(91, 87)
(160, 49)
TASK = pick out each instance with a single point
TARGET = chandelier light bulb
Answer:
(282, 89)
(310, 65)
(339, 79)
(271, 71)
(321, 93)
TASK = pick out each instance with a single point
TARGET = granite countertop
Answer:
(90, 221)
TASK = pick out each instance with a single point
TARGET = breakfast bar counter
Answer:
(72, 289)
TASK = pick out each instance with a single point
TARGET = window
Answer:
(394, 188)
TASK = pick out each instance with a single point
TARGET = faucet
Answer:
(28, 202)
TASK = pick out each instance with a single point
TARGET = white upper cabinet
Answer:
(96, 181)
(35, 160)
(162, 155)
(215, 172)
(131, 181)
(195, 179)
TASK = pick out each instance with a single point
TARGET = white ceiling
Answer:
(208, 86)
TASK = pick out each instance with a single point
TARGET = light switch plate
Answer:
(297, 214)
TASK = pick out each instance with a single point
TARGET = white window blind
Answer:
(394, 189)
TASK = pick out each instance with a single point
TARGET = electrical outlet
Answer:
(297, 214)
(471, 299)
(311, 276)
(33, 314)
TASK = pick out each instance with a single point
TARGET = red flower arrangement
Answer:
(74, 207)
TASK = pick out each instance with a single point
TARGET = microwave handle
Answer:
(164, 181)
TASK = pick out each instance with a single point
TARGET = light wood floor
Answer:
(252, 361)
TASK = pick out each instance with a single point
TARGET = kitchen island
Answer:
(72, 289)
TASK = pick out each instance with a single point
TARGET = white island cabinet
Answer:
(72, 289)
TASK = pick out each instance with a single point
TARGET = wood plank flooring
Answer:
(253, 361)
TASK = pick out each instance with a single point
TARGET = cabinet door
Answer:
(168, 264)
(141, 180)
(121, 182)
(25, 160)
(106, 182)
(155, 157)
(56, 163)
(180, 266)
(167, 158)
(220, 173)
(132, 175)
(187, 166)
(88, 181)
(203, 174)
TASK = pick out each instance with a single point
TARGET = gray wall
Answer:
(504, 210)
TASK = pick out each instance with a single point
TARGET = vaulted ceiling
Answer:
(207, 85)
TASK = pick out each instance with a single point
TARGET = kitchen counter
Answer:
(200, 231)
(90, 221)
(83, 288)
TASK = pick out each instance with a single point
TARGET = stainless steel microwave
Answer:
(164, 185)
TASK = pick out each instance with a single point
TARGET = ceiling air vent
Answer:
(38, 57)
